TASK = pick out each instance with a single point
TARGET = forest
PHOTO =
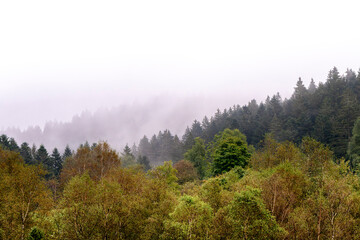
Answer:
(279, 169)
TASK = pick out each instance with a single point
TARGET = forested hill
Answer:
(222, 188)
(326, 112)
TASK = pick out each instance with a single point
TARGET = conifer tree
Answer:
(56, 162)
(42, 156)
(25, 152)
(142, 160)
(354, 147)
(67, 153)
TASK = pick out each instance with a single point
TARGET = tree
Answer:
(98, 162)
(196, 155)
(165, 173)
(127, 158)
(80, 213)
(229, 150)
(191, 219)
(246, 217)
(22, 193)
(25, 152)
(186, 171)
(142, 160)
(188, 139)
(67, 153)
(13, 146)
(56, 162)
(312, 87)
(42, 156)
(4, 141)
(354, 147)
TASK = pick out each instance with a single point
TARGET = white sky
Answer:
(58, 58)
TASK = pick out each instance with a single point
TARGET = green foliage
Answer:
(248, 218)
(67, 153)
(197, 155)
(25, 152)
(229, 150)
(354, 146)
(22, 194)
(142, 160)
(56, 163)
(191, 219)
(97, 161)
(127, 157)
(36, 234)
(165, 173)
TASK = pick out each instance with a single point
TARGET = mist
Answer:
(115, 71)
(121, 125)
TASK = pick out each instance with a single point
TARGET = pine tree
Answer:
(67, 153)
(354, 147)
(4, 142)
(127, 158)
(42, 157)
(56, 162)
(142, 160)
(13, 145)
(25, 152)
(312, 87)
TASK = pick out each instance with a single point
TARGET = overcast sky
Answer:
(58, 58)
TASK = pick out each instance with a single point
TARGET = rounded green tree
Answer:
(229, 150)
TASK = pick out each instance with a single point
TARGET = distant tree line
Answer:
(326, 112)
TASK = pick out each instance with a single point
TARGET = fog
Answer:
(115, 70)
(119, 126)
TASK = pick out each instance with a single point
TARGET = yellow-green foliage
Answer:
(289, 192)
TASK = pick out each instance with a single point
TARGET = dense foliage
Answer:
(287, 191)
(326, 112)
(217, 187)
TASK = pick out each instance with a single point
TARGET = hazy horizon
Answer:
(59, 59)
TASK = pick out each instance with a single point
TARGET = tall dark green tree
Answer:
(42, 157)
(4, 142)
(56, 163)
(354, 147)
(67, 153)
(188, 139)
(13, 146)
(25, 152)
(142, 160)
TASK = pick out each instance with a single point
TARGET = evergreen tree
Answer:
(56, 162)
(67, 153)
(13, 146)
(354, 147)
(25, 152)
(127, 158)
(188, 139)
(4, 142)
(42, 157)
(196, 129)
(312, 87)
(33, 153)
(142, 160)
(144, 148)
